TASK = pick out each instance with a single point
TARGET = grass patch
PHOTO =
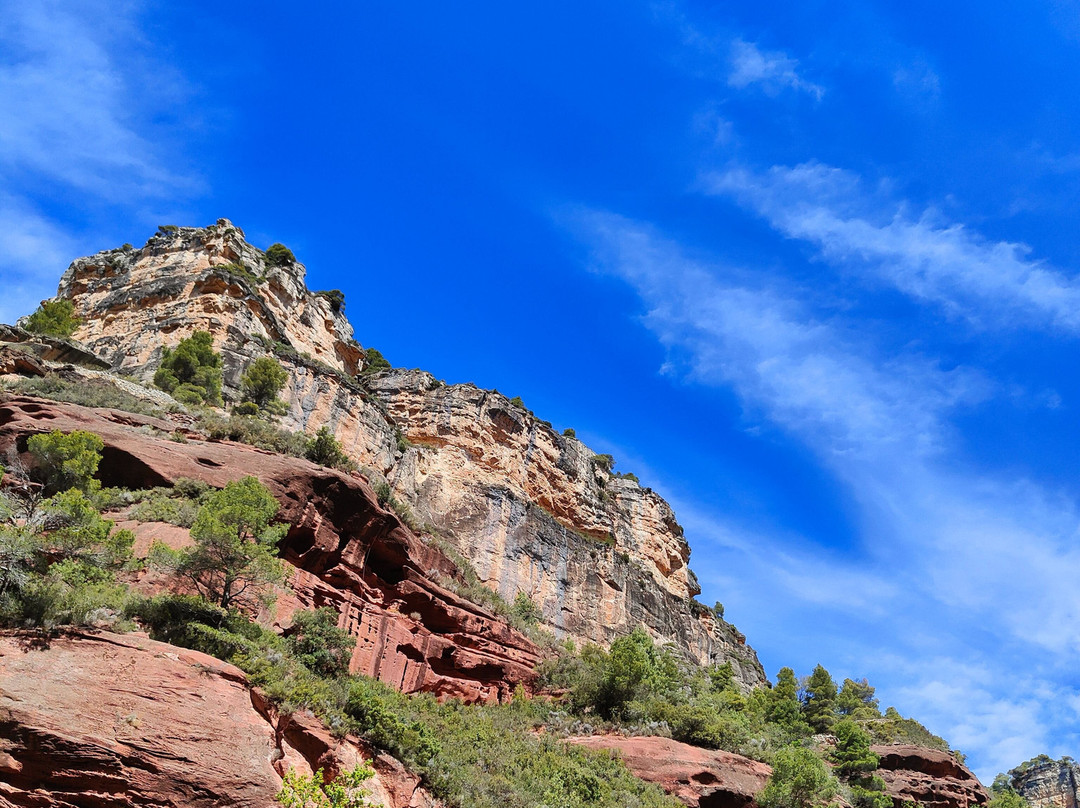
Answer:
(86, 392)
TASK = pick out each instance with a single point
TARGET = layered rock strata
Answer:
(700, 778)
(1047, 783)
(533, 510)
(101, 719)
(928, 777)
(348, 552)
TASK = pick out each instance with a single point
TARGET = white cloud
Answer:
(83, 125)
(33, 254)
(772, 71)
(948, 560)
(992, 284)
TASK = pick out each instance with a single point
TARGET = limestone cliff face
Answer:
(533, 510)
(1047, 783)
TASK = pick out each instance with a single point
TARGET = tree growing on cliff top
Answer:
(191, 371)
(54, 318)
(234, 557)
(278, 255)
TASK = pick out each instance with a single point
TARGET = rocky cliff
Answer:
(533, 510)
(100, 719)
(347, 552)
(1047, 783)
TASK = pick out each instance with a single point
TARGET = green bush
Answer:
(86, 392)
(278, 255)
(254, 432)
(67, 460)
(245, 408)
(262, 382)
(54, 318)
(374, 361)
(191, 371)
(323, 448)
(316, 641)
(336, 299)
(300, 790)
(799, 780)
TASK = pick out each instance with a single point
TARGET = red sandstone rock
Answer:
(20, 362)
(928, 777)
(349, 553)
(120, 720)
(701, 778)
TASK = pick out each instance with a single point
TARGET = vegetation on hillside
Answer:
(54, 318)
(61, 562)
(260, 386)
(191, 372)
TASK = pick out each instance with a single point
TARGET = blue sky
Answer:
(806, 268)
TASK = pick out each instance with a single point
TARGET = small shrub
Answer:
(374, 361)
(313, 791)
(86, 392)
(569, 433)
(319, 644)
(246, 408)
(67, 460)
(54, 318)
(603, 461)
(278, 255)
(191, 371)
(517, 402)
(336, 298)
(799, 780)
(324, 449)
(262, 382)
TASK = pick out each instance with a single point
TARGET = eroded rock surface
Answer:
(928, 777)
(1048, 783)
(701, 778)
(531, 509)
(101, 719)
(348, 552)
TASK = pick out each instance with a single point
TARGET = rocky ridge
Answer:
(347, 552)
(1047, 783)
(531, 509)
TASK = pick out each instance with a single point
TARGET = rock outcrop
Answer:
(101, 719)
(928, 777)
(701, 778)
(534, 511)
(1047, 783)
(347, 551)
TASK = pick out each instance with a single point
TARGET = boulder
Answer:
(700, 778)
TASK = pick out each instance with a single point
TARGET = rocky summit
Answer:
(443, 597)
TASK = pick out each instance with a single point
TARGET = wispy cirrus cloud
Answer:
(991, 284)
(84, 125)
(941, 547)
(771, 71)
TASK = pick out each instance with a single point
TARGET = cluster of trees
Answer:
(58, 555)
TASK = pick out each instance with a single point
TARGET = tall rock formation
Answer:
(1047, 783)
(534, 511)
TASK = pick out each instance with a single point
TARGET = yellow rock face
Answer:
(532, 510)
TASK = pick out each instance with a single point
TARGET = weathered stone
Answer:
(929, 777)
(701, 778)
(1047, 783)
(348, 552)
(101, 719)
(528, 507)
